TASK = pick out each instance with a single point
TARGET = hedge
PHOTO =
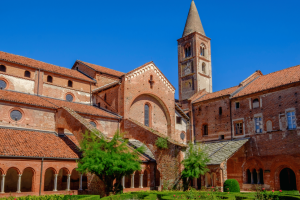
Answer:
(231, 185)
(55, 197)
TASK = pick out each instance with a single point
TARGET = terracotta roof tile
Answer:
(102, 69)
(81, 108)
(272, 80)
(18, 97)
(33, 144)
(217, 94)
(42, 65)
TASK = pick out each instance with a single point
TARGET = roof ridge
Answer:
(31, 59)
(280, 70)
(87, 64)
(37, 64)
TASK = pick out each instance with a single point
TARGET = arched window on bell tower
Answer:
(202, 50)
(187, 51)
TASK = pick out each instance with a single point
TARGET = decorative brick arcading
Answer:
(143, 69)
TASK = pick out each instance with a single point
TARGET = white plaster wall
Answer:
(19, 84)
(180, 127)
(63, 91)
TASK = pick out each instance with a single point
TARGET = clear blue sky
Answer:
(122, 35)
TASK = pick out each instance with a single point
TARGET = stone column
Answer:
(2, 183)
(123, 182)
(19, 184)
(195, 183)
(141, 180)
(55, 182)
(68, 182)
(80, 182)
(132, 181)
(258, 177)
(252, 179)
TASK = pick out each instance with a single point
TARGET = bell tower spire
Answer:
(193, 22)
(194, 57)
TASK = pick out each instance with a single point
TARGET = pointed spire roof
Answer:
(193, 22)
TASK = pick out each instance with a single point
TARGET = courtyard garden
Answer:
(209, 194)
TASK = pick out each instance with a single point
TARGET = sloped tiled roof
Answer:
(272, 80)
(35, 100)
(42, 65)
(102, 69)
(81, 108)
(217, 94)
(220, 151)
(33, 144)
(137, 144)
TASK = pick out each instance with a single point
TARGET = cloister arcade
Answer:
(15, 181)
(140, 179)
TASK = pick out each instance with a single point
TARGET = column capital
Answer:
(56, 175)
(69, 175)
(19, 175)
(3, 175)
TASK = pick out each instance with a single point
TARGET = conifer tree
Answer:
(108, 159)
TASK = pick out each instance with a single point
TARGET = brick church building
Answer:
(251, 131)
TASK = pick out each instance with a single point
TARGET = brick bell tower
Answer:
(194, 57)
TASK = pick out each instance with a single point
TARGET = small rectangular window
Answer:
(237, 105)
(205, 129)
(178, 120)
(258, 124)
(291, 120)
(239, 128)
(220, 111)
(221, 137)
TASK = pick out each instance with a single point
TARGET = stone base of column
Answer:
(54, 190)
(18, 191)
(141, 187)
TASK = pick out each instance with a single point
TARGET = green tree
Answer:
(195, 163)
(109, 159)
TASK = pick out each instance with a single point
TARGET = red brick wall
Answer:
(158, 118)
(168, 161)
(112, 98)
(32, 117)
(208, 113)
(59, 88)
(137, 84)
(104, 79)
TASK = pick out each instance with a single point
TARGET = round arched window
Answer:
(2, 84)
(93, 124)
(69, 98)
(16, 115)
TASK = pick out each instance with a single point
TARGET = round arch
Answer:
(62, 178)
(27, 180)
(75, 178)
(49, 179)
(11, 180)
(165, 108)
(287, 178)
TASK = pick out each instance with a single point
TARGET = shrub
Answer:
(231, 185)
(162, 143)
